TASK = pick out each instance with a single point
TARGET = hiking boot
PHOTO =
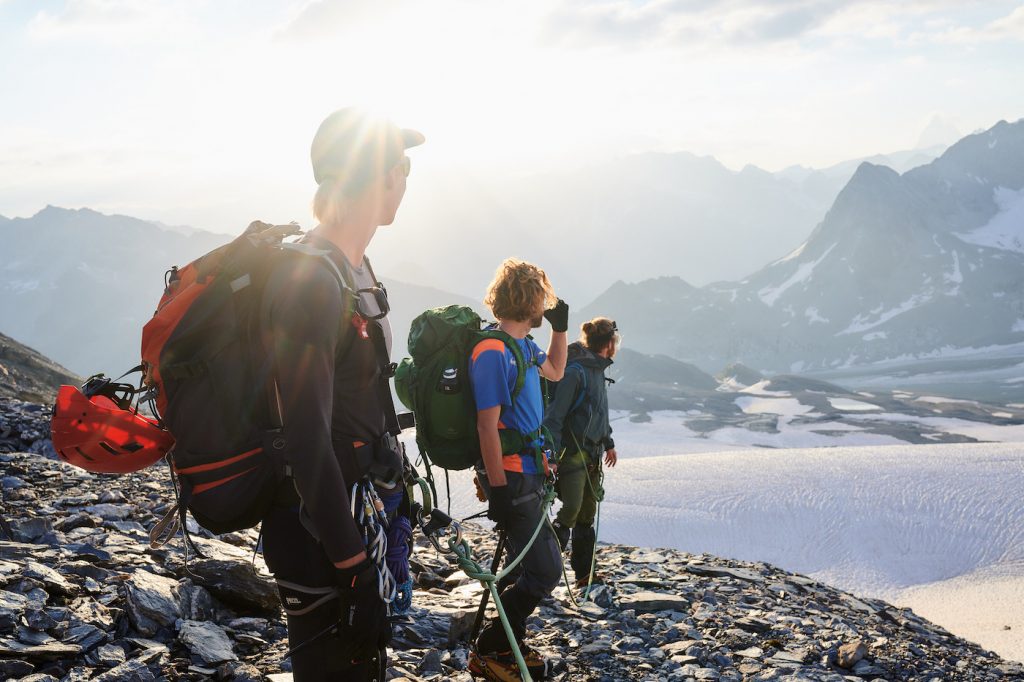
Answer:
(535, 661)
(502, 667)
(595, 579)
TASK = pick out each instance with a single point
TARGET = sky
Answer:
(200, 112)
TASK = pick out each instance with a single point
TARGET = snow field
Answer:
(938, 528)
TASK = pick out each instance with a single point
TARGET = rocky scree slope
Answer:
(28, 375)
(83, 597)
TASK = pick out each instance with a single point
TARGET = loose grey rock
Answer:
(652, 602)
(53, 581)
(152, 601)
(207, 641)
(851, 653)
(129, 671)
(96, 589)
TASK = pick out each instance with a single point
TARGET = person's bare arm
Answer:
(490, 444)
(553, 368)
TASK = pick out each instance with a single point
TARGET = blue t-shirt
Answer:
(492, 372)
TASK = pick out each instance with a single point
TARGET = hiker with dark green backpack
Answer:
(577, 419)
(513, 467)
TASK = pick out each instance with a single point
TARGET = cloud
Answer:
(325, 18)
(685, 23)
(132, 19)
(1006, 28)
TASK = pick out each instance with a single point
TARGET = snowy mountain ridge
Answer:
(901, 265)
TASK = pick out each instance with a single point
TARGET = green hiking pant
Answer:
(579, 478)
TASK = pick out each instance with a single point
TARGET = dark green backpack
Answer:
(434, 383)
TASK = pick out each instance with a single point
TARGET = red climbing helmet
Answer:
(96, 428)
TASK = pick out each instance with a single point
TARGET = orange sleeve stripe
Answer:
(486, 345)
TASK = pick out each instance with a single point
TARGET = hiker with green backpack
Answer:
(476, 394)
(513, 466)
(577, 419)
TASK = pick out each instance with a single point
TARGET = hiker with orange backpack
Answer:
(513, 476)
(329, 349)
(267, 369)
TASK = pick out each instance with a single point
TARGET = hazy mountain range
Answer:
(79, 285)
(632, 218)
(928, 263)
(901, 265)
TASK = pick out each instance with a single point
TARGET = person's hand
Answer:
(558, 316)
(499, 504)
(610, 458)
(364, 615)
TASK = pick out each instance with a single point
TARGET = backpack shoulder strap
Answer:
(517, 354)
(342, 275)
(324, 255)
(584, 381)
(376, 331)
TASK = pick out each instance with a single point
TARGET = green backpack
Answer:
(434, 384)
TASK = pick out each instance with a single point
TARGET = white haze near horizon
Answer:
(938, 528)
(199, 113)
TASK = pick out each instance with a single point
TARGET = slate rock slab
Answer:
(53, 581)
(206, 641)
(234, 583)
(153, 601)
(44, 652)
(651, 602)
(129, 671)
(12, 605)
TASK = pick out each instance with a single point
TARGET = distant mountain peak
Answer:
(869, 185)
(940, 130)
(51, 210)
(867, 169)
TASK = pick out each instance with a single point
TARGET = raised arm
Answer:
(554, 366)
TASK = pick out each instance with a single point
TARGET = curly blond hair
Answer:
(516, 290)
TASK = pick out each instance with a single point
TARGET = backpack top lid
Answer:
(439, 327)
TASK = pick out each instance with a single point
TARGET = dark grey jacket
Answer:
(586, 426)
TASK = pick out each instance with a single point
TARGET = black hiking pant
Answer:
(541, 568)
(306, 581)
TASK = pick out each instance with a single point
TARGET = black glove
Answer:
(364, 615)
(558, 316)
(499, 504)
